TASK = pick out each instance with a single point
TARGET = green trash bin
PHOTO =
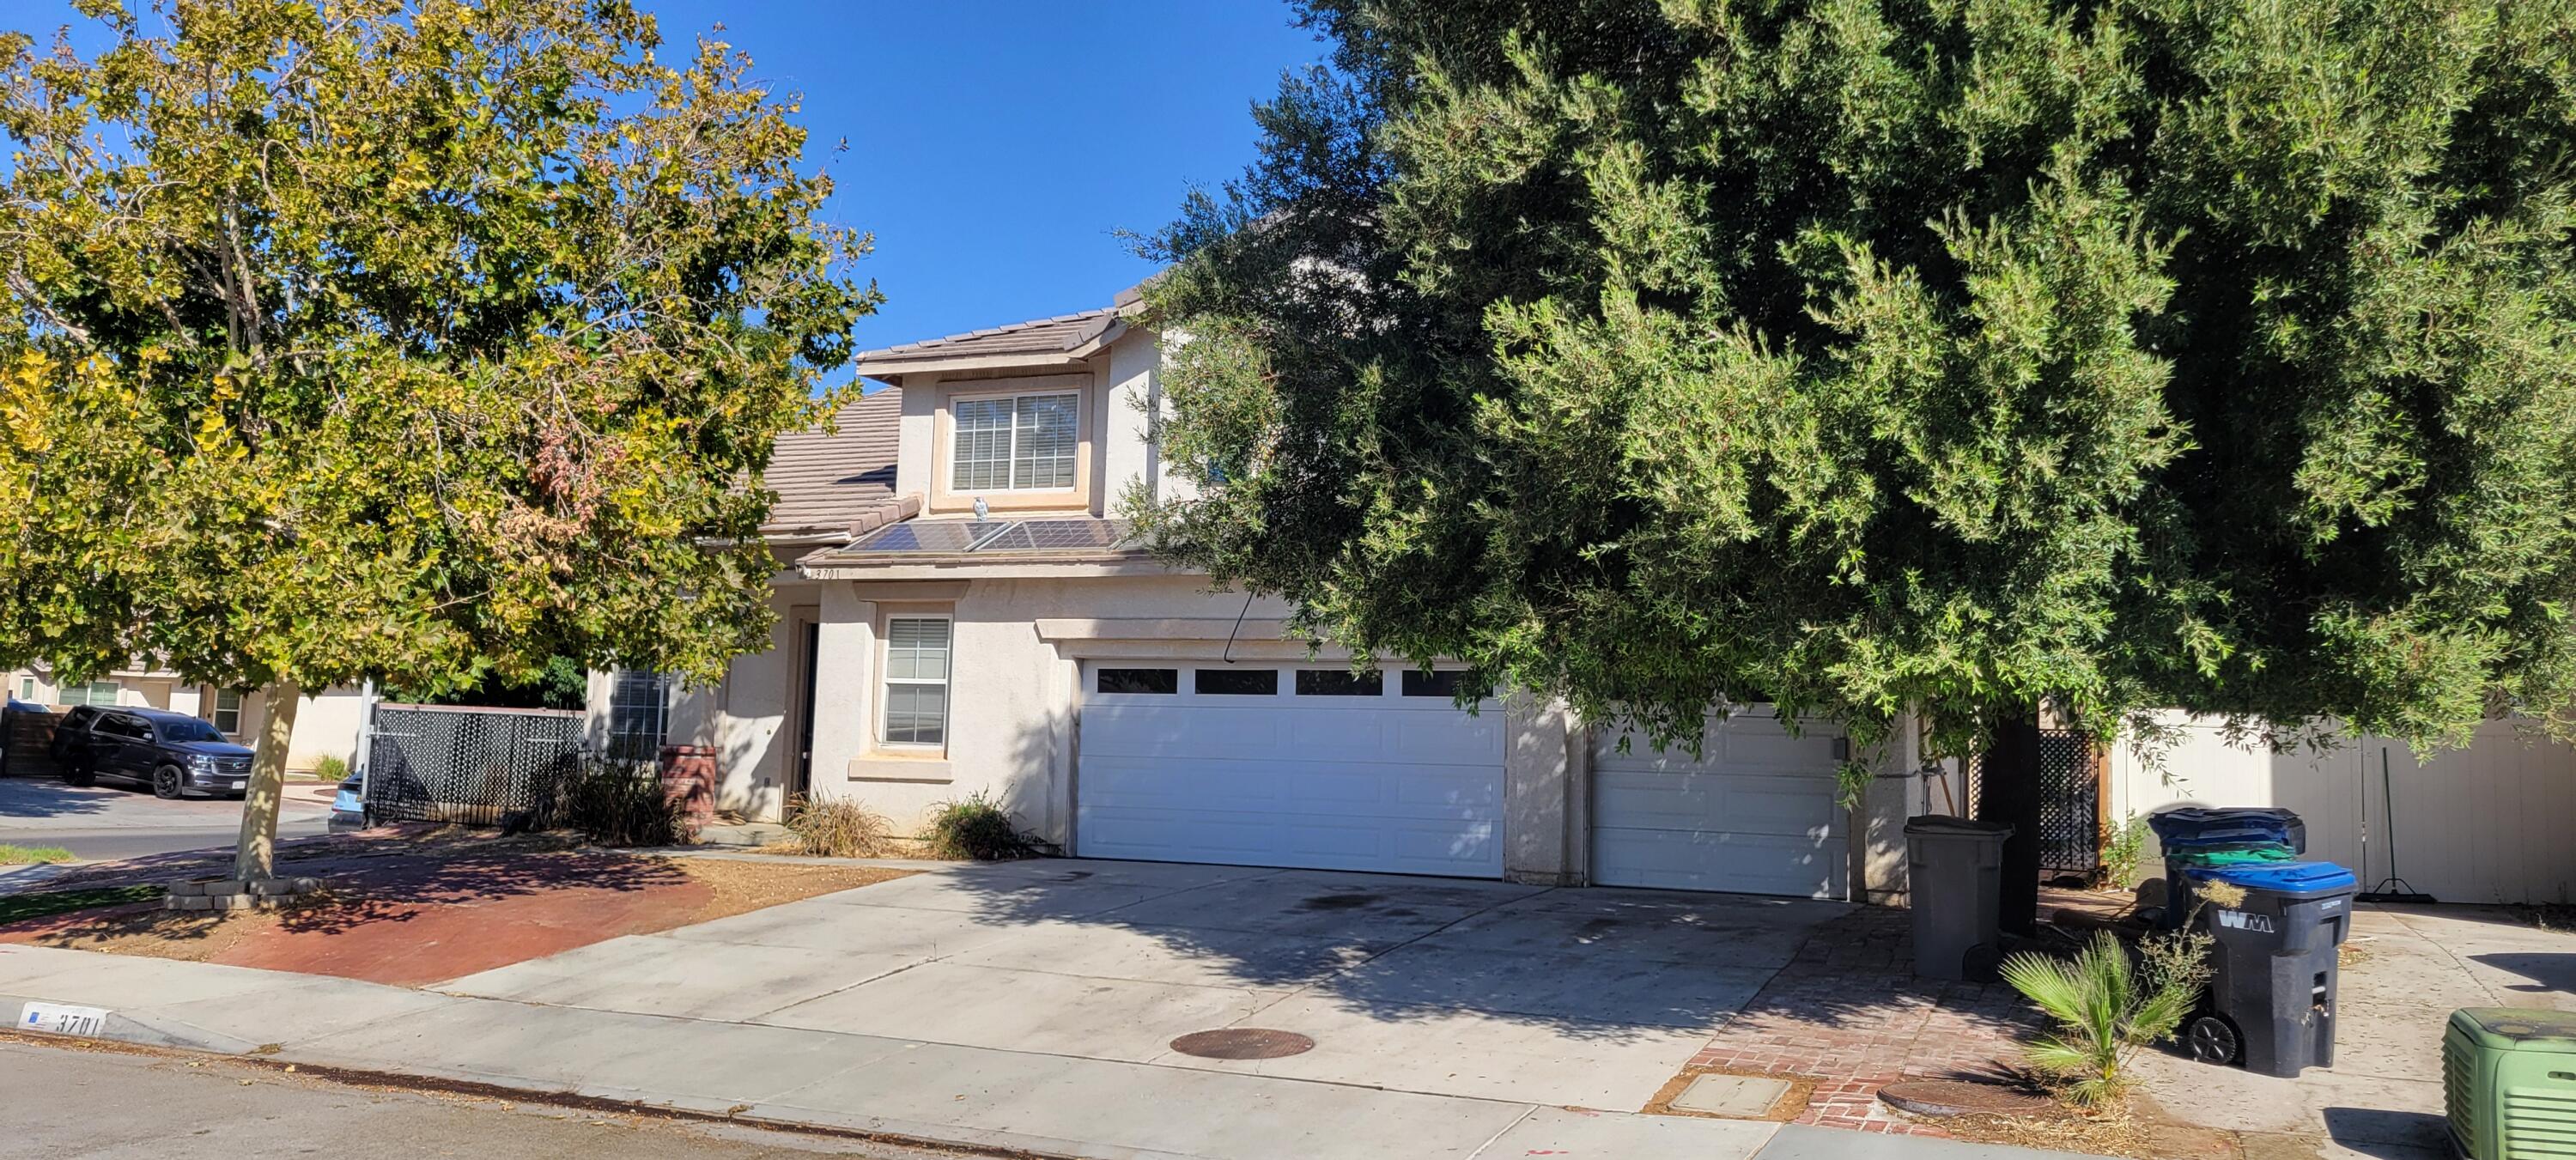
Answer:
(1954, 885)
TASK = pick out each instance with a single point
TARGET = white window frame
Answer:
(1010, 455)
(89, 693)
(215, 712)
(886, 681)
(617, 733)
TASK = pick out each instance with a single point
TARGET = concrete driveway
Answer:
(1588, 998)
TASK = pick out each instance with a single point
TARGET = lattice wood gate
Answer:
(2070, 801)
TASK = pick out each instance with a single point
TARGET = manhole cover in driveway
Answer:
(1955, 1097)
(1243, 1043)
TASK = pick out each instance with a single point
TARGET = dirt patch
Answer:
(424, 913)
(740, 887)
(2117, 1132)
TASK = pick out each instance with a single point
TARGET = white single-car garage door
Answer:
(1754, 813)
(1273, 764)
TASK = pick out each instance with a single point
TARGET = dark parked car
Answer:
(173, 753)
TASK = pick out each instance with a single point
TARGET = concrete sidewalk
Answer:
(964, 1096)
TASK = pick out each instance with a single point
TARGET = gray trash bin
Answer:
(1955, 886)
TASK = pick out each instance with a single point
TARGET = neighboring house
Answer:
(1119, 708)
(326, 724)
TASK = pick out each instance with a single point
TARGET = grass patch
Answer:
(20, 907)
(30, 855)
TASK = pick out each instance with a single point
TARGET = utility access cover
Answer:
(1243, 1043)
(1742, 1097)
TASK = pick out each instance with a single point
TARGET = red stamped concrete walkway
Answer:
(1848, 1013)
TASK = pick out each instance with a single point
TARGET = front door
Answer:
(804, 774)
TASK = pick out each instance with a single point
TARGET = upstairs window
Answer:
(1015, 443)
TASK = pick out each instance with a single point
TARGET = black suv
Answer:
(173, 753)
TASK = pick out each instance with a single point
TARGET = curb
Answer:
(141, 1035)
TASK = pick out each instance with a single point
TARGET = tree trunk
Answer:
(2008, 792)
(255, 854)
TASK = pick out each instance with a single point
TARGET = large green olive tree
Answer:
(415, 340)
(1861, 355)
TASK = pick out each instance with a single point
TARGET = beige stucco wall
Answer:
(326, 724)
(2488, 823)
(1015, 695)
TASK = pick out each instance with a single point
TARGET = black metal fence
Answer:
(2070, 802)
(476, 766)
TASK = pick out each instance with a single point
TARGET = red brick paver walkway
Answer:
(1849, 1013)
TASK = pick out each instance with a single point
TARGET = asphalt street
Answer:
(102, 822)
(76, 1101)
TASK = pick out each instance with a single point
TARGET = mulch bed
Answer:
(415, 908)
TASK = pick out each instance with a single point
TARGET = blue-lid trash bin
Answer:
(2271, 1000)
(2192, 836)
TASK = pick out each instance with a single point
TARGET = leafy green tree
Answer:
(419, 340)
(1865, 354)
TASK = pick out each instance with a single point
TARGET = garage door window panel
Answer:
(1443, 684)
(1339, 683)
(1147, 682)
(1235, 682)
(916, 680)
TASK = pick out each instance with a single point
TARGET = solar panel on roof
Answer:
(919, 536)
(960, 537)
(1073, 533)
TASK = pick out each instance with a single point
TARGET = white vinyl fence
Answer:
(2494, 822)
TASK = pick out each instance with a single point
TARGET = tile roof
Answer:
(1038, 336)
(827, 482)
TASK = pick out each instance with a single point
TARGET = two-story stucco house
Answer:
(959, 612)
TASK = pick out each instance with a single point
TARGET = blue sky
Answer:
(994, 145)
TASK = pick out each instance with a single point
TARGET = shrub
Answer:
(2104, 1012)
(977, 827)
(617, 803)
(331, 769)
(2123, 847)
(836, 828)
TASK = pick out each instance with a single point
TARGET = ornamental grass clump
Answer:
(976, 827)
(836, 828)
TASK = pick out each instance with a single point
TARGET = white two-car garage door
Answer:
(1753, 813)
(1274, 764)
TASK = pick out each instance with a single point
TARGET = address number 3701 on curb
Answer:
(61, 1019)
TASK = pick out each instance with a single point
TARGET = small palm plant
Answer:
(2104, 1013)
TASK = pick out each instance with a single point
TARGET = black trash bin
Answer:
(2271, 996)
(1954, 888)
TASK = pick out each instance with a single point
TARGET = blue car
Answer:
(348, 807)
